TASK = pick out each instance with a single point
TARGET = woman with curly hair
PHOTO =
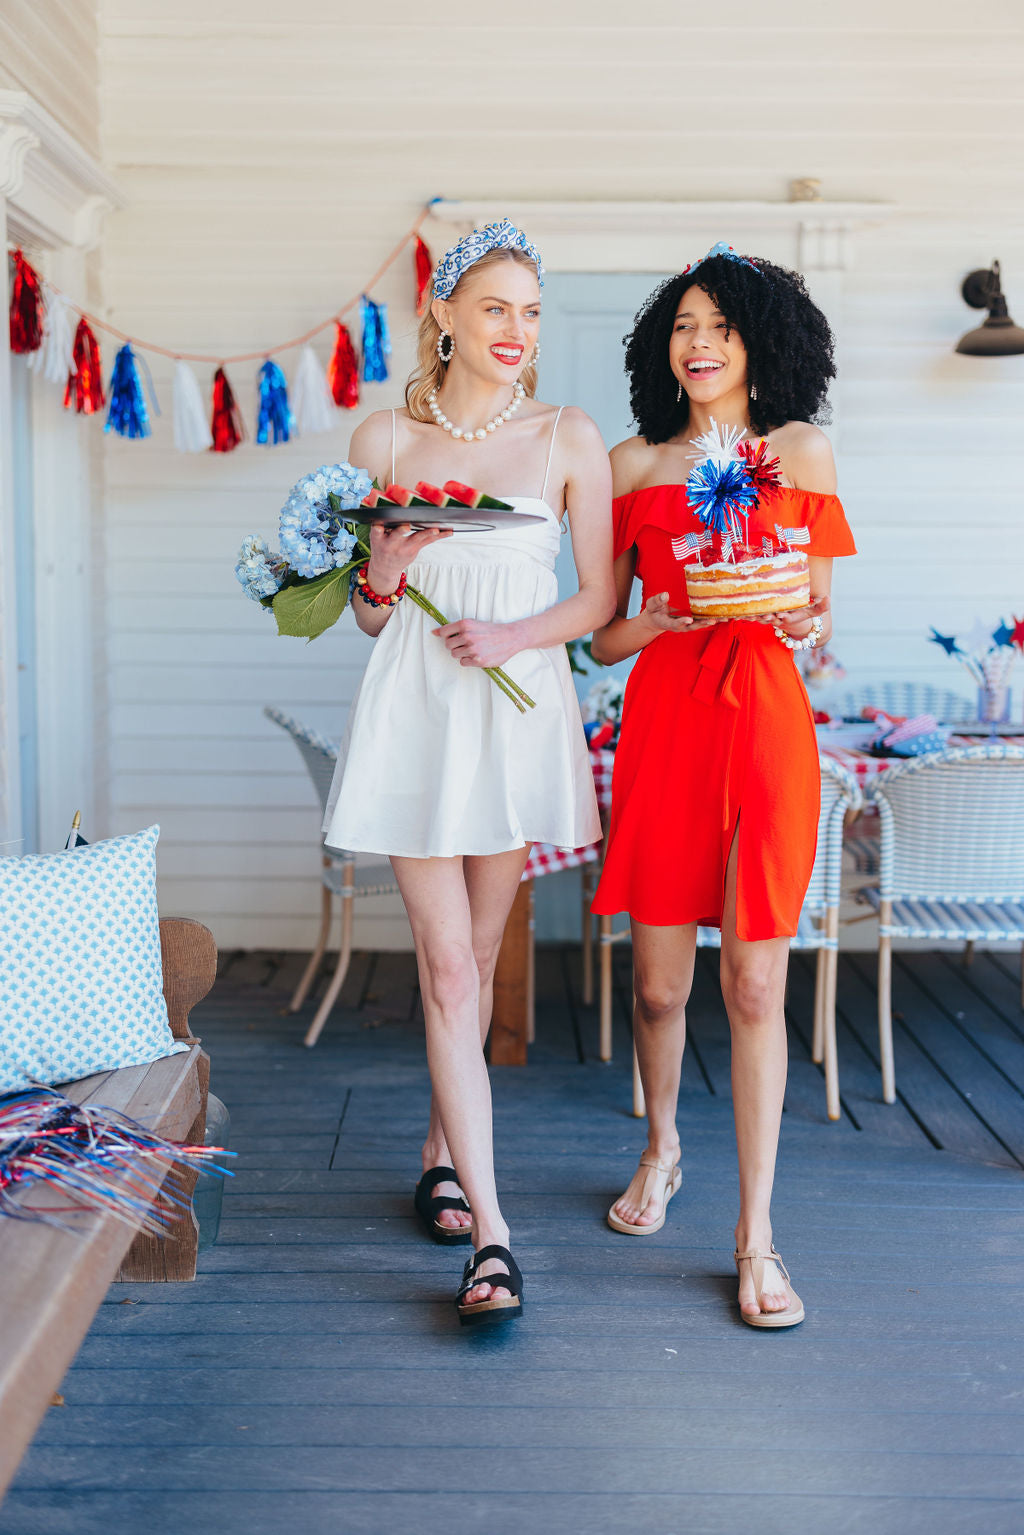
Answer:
(716, 789)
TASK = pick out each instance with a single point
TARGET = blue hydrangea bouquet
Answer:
(323, 543)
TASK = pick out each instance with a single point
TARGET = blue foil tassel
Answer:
(718, 492)
(127, 416)
(376, 341)
(276, 422)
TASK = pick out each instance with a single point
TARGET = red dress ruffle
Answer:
(717, 741)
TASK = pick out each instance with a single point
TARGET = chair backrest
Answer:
(318, 752)
(952, 825)
(839, 793)
(904, 698)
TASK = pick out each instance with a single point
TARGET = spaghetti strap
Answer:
(551, 446)
(394, 428)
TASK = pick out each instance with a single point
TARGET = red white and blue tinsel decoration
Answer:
(275, 422)
(94, 1157)
(424, 263)
(127, 415)
(226, 425)
(343, 370)
(376, 341)
(84, 390)
(719, 487)
(26, 313)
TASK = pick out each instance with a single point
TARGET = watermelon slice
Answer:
(372, 499)
(432, 494)
(398, 495)
(468, 495)
(465, 495)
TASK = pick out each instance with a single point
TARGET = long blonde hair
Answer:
(430, 371)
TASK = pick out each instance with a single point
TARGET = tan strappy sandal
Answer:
(794, 1311)
(663, 1173)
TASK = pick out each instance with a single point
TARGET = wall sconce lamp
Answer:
(997, 336)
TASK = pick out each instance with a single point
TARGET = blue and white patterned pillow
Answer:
(81, 982)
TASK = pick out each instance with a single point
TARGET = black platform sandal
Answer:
(503, 1310)
(428, 1207)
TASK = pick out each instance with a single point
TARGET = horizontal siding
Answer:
(273, 157)
(49, 49)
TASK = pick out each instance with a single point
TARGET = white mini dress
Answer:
(436, 760)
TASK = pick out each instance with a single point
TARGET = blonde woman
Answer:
(439, 769)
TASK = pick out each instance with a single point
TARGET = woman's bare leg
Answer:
(754, 989)
(455, 912)
(663, 961)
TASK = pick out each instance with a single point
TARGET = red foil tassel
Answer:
(226, 425)
(343, 370)
(26, 307)
(84, 391)
(424, 272)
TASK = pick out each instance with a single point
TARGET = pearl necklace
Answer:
(467, 434)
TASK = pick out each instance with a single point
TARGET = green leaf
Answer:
(308, 609)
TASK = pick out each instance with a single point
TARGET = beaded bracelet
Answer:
(375, 600)
(809, 640)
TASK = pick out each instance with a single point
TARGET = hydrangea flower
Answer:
(349, 484)
(343, 544)
(259, 571)
(304, 530)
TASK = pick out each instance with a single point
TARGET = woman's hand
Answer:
(663, 618)
(393, 547)
(473, 642)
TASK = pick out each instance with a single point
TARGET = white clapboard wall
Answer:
(272, 156)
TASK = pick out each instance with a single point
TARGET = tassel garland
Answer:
(26, 307)
(97, 1159)
(312, 399)
(275, 422)
(343, 370)
(55, 358)
(191, 430)
(226, 425)
(127, 416)
(424, 271)
(84, 390)
(376, 341)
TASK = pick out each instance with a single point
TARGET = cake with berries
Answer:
(748, 586)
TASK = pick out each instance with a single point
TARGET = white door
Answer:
(585, 317)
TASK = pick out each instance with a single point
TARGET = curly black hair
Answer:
(788, 340)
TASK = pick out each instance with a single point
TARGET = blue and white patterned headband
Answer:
(499, 236)
(721, 249)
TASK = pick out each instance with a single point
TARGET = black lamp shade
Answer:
(997, 336)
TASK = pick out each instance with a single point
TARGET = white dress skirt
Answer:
(436, 760)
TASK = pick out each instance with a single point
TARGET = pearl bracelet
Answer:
(809, 640)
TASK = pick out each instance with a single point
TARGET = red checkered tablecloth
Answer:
(865, 767)
(545, 859)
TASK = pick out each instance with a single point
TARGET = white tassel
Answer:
(55, 358)
(191, 428)
(311, 398)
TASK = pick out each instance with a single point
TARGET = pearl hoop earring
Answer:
(445, 336)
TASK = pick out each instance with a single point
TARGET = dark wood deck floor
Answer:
(314, 1379)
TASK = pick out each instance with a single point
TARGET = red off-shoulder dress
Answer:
(717, 741)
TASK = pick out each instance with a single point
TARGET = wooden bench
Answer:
(52, 1281)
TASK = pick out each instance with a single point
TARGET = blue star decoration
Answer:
(1004, 634)
(947, 641)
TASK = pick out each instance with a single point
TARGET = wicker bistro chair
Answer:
(818, 929)
(904, 698)
(952, 859)
(338, 877)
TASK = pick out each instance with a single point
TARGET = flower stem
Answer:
(507, 684)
